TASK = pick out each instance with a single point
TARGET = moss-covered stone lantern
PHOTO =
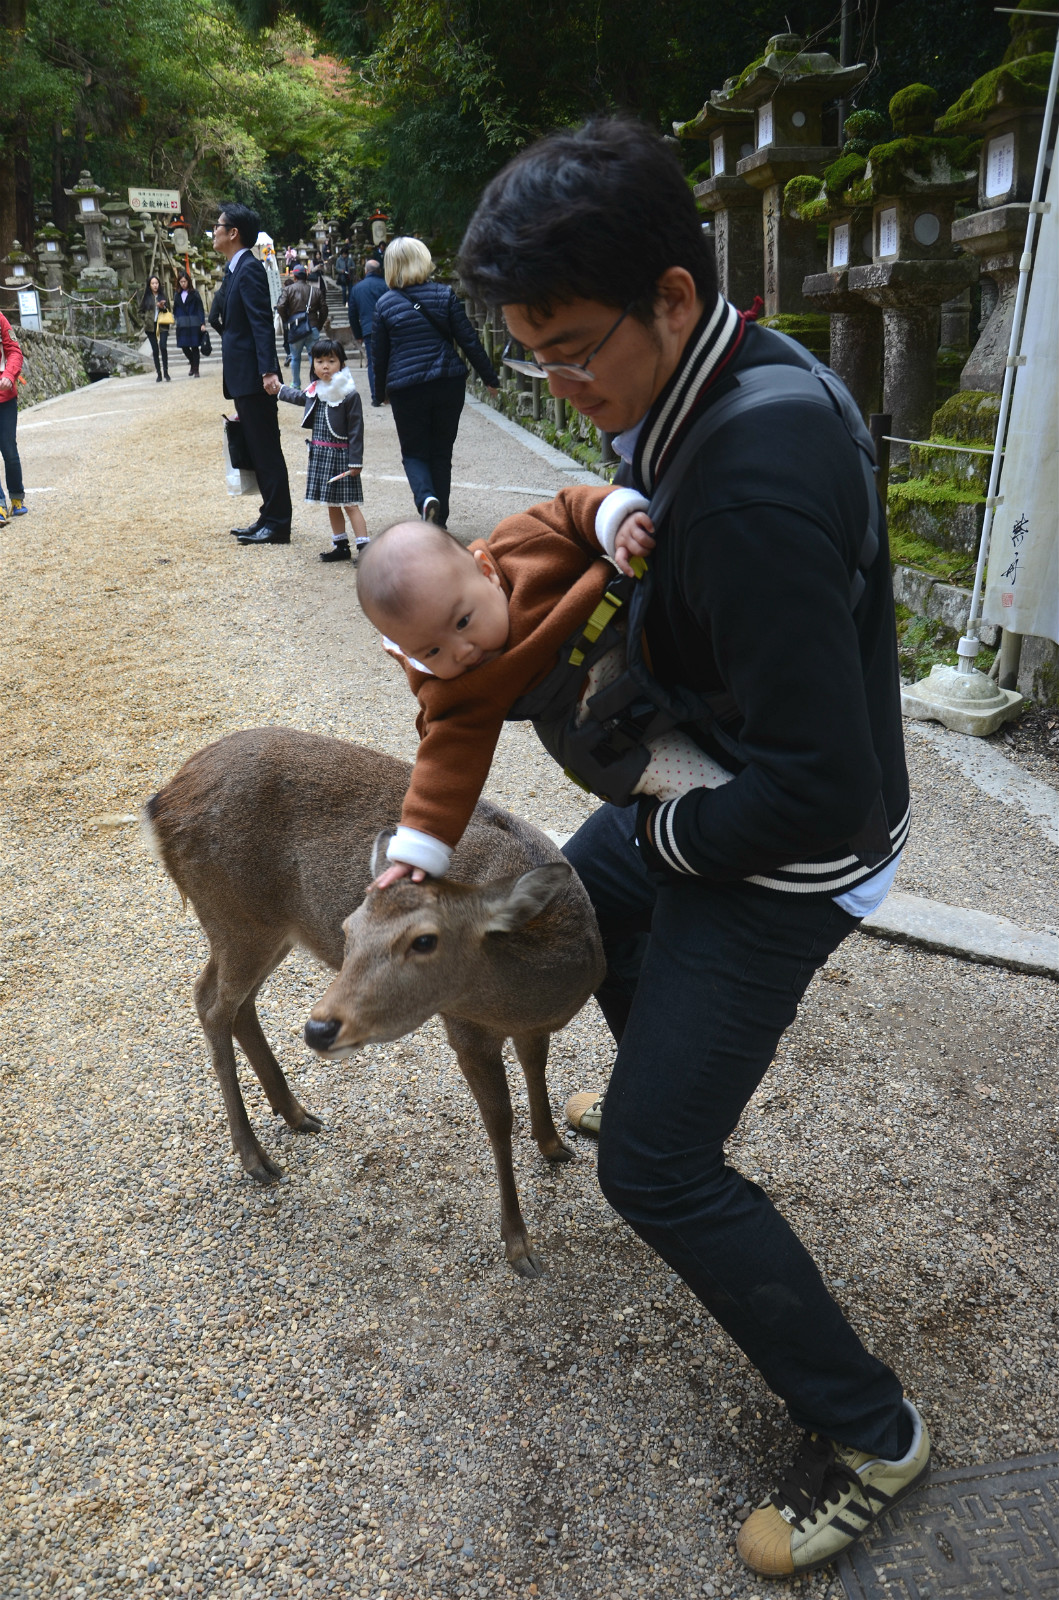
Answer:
(912, 184)
(787, 91)
(1005, 108)
(50, 255)
(19, 265)
(734, 206)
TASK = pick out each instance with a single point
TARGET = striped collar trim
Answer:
(712, 344)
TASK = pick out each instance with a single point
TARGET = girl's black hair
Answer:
(148, 293)
(184, 273)
(328, 347)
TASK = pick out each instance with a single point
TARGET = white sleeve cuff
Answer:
(417, 849)
(612, 513)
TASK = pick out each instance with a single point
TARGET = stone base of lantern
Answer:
(856, 350)
(96, 313)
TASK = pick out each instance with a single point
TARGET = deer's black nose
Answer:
(320, 1035)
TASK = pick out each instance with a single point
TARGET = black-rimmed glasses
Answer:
(577, 370)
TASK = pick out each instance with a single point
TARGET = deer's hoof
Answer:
(308, 1124)
(526, 1265)
(561, 1152)
(262, 1168)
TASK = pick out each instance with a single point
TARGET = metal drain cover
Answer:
(979, 1533)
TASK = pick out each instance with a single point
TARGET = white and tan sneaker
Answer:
(830, 1498)
(583, 1112)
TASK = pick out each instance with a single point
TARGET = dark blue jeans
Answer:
(427, 418)
(702, 980)
(9, 450)
(370, 364)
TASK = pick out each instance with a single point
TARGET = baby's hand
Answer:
(394, 873)
(633, 538)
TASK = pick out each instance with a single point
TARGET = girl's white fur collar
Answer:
(335, 390)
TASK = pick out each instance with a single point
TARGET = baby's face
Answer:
(460, 622)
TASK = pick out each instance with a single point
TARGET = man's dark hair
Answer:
(599, 213)
(241, 220)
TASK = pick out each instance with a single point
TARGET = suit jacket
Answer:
(242, 314)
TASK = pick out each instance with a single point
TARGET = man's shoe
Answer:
(377, 404)
(431, 507)
(18, 506)
(251, 527)
(339, 551)
(583, 1112)
(266, 535)
(830, 1498)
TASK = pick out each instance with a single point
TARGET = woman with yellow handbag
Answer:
(157, 320)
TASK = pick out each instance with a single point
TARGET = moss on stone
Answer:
(1019, 83)
(913, 109)
(890, 165)
(841, 173)
(968, 417)
(804, 199)
(908, 551)
(1028, 37)
(811, 329)
(869, 125)
(936, 495)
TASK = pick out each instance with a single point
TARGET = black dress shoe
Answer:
(266, 535)
(251, 527)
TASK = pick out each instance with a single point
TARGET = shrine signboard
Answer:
(165, 200)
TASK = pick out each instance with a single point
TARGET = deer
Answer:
(273, 836)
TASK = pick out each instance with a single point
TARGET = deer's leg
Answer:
(480, 1057)
(251, 1038)
(220, 991)
(532, 1052)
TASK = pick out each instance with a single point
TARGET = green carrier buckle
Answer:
(602, 615)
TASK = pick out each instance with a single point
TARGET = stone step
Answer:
(941, 514)
(963, 469)
(926, 596)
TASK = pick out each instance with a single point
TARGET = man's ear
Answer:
(677, 297)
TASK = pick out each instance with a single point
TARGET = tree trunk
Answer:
(8, 219)
(60, 200)
(13, 128)
(25, 221)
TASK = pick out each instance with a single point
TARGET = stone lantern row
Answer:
(896, 251)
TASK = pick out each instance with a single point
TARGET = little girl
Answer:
(334, 413)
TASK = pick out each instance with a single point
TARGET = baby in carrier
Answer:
(478, 629)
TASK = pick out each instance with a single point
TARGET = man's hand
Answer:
(493, 392)
(633, 538)
(394, 874)
(270, 383)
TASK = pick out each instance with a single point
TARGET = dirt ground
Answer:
(336, 1386)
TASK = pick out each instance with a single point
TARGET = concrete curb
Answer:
(547, 452)
(958, 931)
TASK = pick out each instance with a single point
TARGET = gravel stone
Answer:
(336, 1386)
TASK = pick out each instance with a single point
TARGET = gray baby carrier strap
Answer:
(607, 754)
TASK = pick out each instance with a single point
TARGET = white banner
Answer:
(1022, 587)
(167, 200)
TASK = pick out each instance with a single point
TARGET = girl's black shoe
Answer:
(339, 551)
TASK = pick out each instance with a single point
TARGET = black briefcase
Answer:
(238, 450)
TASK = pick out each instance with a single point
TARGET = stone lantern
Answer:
(139, 232)
(1006, 109)
(913, 184)
(78, 252)
(89, 197)
(50, 256)
(734, 207)
(19, 264)
(787, 92)
(119, 239)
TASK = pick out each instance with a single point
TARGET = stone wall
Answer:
(52, 364)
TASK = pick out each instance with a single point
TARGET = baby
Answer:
(477, 628)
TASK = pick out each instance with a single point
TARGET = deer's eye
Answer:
(424, 944)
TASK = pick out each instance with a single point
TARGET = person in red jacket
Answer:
(10, 367)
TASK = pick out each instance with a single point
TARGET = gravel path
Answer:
(336, 1386)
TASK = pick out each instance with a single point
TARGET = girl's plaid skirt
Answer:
(324, 461)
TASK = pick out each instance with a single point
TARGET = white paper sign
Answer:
(155, 200)
(999, 165)
(839, 246)
(718, 154)
(888, 232)
(764, 125)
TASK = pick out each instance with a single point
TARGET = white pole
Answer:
(969, 646)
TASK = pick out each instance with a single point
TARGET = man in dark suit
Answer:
(242, 314)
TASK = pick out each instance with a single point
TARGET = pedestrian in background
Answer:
(157, 321)
(303, 309)
(418, 331)
(190, 316)
(10, 367)
(363, 298)
(242, 314)
(344, 267)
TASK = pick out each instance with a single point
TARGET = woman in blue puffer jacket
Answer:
(418, 371)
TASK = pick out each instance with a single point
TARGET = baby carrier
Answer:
(607, 752)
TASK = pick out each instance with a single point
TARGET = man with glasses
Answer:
(242, 314)
(769, 598)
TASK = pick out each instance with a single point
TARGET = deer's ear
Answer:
(379, 862)
(510, 905)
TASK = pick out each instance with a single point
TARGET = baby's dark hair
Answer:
(329, 347)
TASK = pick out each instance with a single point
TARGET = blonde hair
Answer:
(406, 262)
